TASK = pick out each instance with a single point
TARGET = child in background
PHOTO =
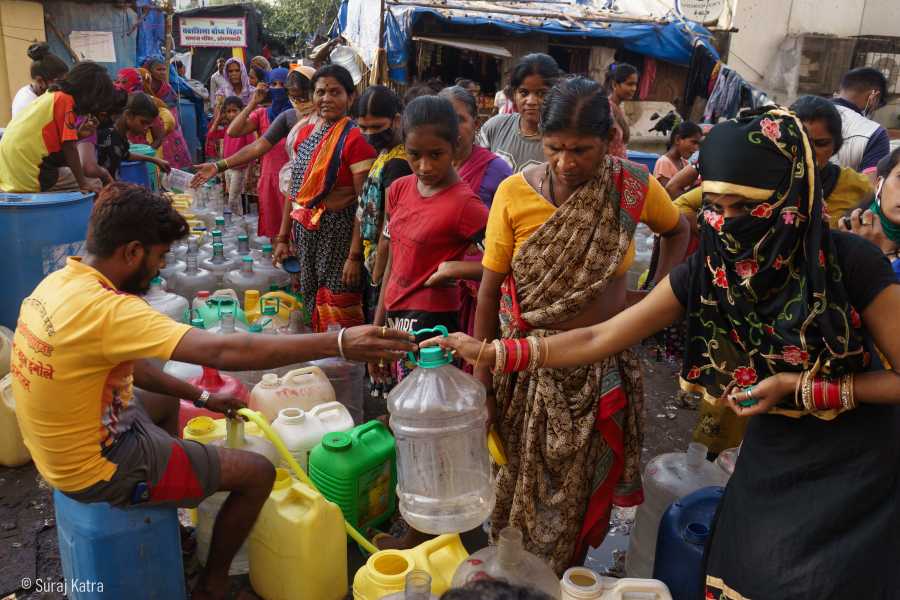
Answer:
(103, 153)
(234, 177)
(46, 68)
(684, 141)
(432, 217)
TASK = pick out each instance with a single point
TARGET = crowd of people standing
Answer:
(517, 236)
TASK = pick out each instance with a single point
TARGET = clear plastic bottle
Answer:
(277, 277)
(173, 265)
(172, 305)
(256, 241)
(296, 324)
(508, 561)
(418, 587)
(667, 478)
(218, 264)
(444, 482)
(193, 279)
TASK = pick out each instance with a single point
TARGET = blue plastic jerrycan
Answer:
(683, 533)
(109, 552)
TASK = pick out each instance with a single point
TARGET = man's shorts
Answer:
(154, 468)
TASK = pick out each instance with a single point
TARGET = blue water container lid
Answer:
(696, 533)
(42, 199)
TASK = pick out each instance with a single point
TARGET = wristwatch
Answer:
(202, 400)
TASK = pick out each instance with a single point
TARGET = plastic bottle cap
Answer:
(696, 533)
(247, 259)
(269, 379)
(198, 322)
(217, 233)
(203, 294)
(156, 280)
(267, 248)
(255, 328)
(201, 425)
(337, 441)
(292, 415)
(220, 220)
(243, 238)
(433, 357)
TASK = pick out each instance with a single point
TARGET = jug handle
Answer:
(642, 586)
(436, 329)
(6, 394)
(326, 408)
(311, 370)
(366, 428)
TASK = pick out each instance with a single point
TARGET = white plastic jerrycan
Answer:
(581, 583)
(302, 388)
(301, 430)
(13, 452)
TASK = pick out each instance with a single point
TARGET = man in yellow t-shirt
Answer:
(82, 344)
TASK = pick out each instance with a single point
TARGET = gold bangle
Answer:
(480, 351)
(798, 402)
(533, 353)
(499, 356)
(545, 355)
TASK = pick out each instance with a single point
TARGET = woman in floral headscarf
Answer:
(782, 314)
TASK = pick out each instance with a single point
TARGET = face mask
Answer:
(381, 140)
(277, 94)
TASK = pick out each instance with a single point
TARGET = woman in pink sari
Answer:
(174, 147)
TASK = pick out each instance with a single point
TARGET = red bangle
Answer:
(518, 355)
(826, 393)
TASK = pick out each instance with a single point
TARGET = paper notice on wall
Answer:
(98, 46)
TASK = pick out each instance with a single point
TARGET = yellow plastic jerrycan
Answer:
(285, 302)
(13, 452)
(385, 571)
(298, 547)
(207, 430)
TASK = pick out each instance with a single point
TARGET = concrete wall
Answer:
(763, 24)
(21, 24)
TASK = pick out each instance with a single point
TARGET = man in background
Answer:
(866, 142)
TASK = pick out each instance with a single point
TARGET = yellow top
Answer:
(851, 189)
(73, 354)
(518, 211)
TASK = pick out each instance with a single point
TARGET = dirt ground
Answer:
(28, 542)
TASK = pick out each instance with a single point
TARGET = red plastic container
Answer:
(214, 382)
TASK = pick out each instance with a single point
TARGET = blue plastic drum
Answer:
(134, 553)
(134, 171)
(152, 171)
(187, 116)
(648, 159)
(42, 230)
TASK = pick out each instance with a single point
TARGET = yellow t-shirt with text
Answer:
(72, 362)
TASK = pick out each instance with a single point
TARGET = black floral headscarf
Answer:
(771, 297)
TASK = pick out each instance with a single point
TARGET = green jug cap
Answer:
(433, 357)
(156, 280)
(267, 247)
(247, 259)
(220, 220)
(337, 441)
(216, 233)
(198, 322)
(256, 328)
(269, 309)
(243, 238)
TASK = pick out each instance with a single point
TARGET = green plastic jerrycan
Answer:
(357, 470)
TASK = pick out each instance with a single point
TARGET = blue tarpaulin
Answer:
(117, 19)
(670, 41)
(152, 31)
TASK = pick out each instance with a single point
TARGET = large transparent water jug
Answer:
(209, 508)
(277, 277)
(508, 561)
(438, 416)
(173, 265)
(243, 249)
(666, 478)
(257, 242)
(245, 278)
(218, 264)
(193, 279)
(168, 303)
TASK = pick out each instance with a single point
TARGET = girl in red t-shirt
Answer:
(432, 217)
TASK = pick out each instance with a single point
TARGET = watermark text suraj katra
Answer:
(62, 586)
